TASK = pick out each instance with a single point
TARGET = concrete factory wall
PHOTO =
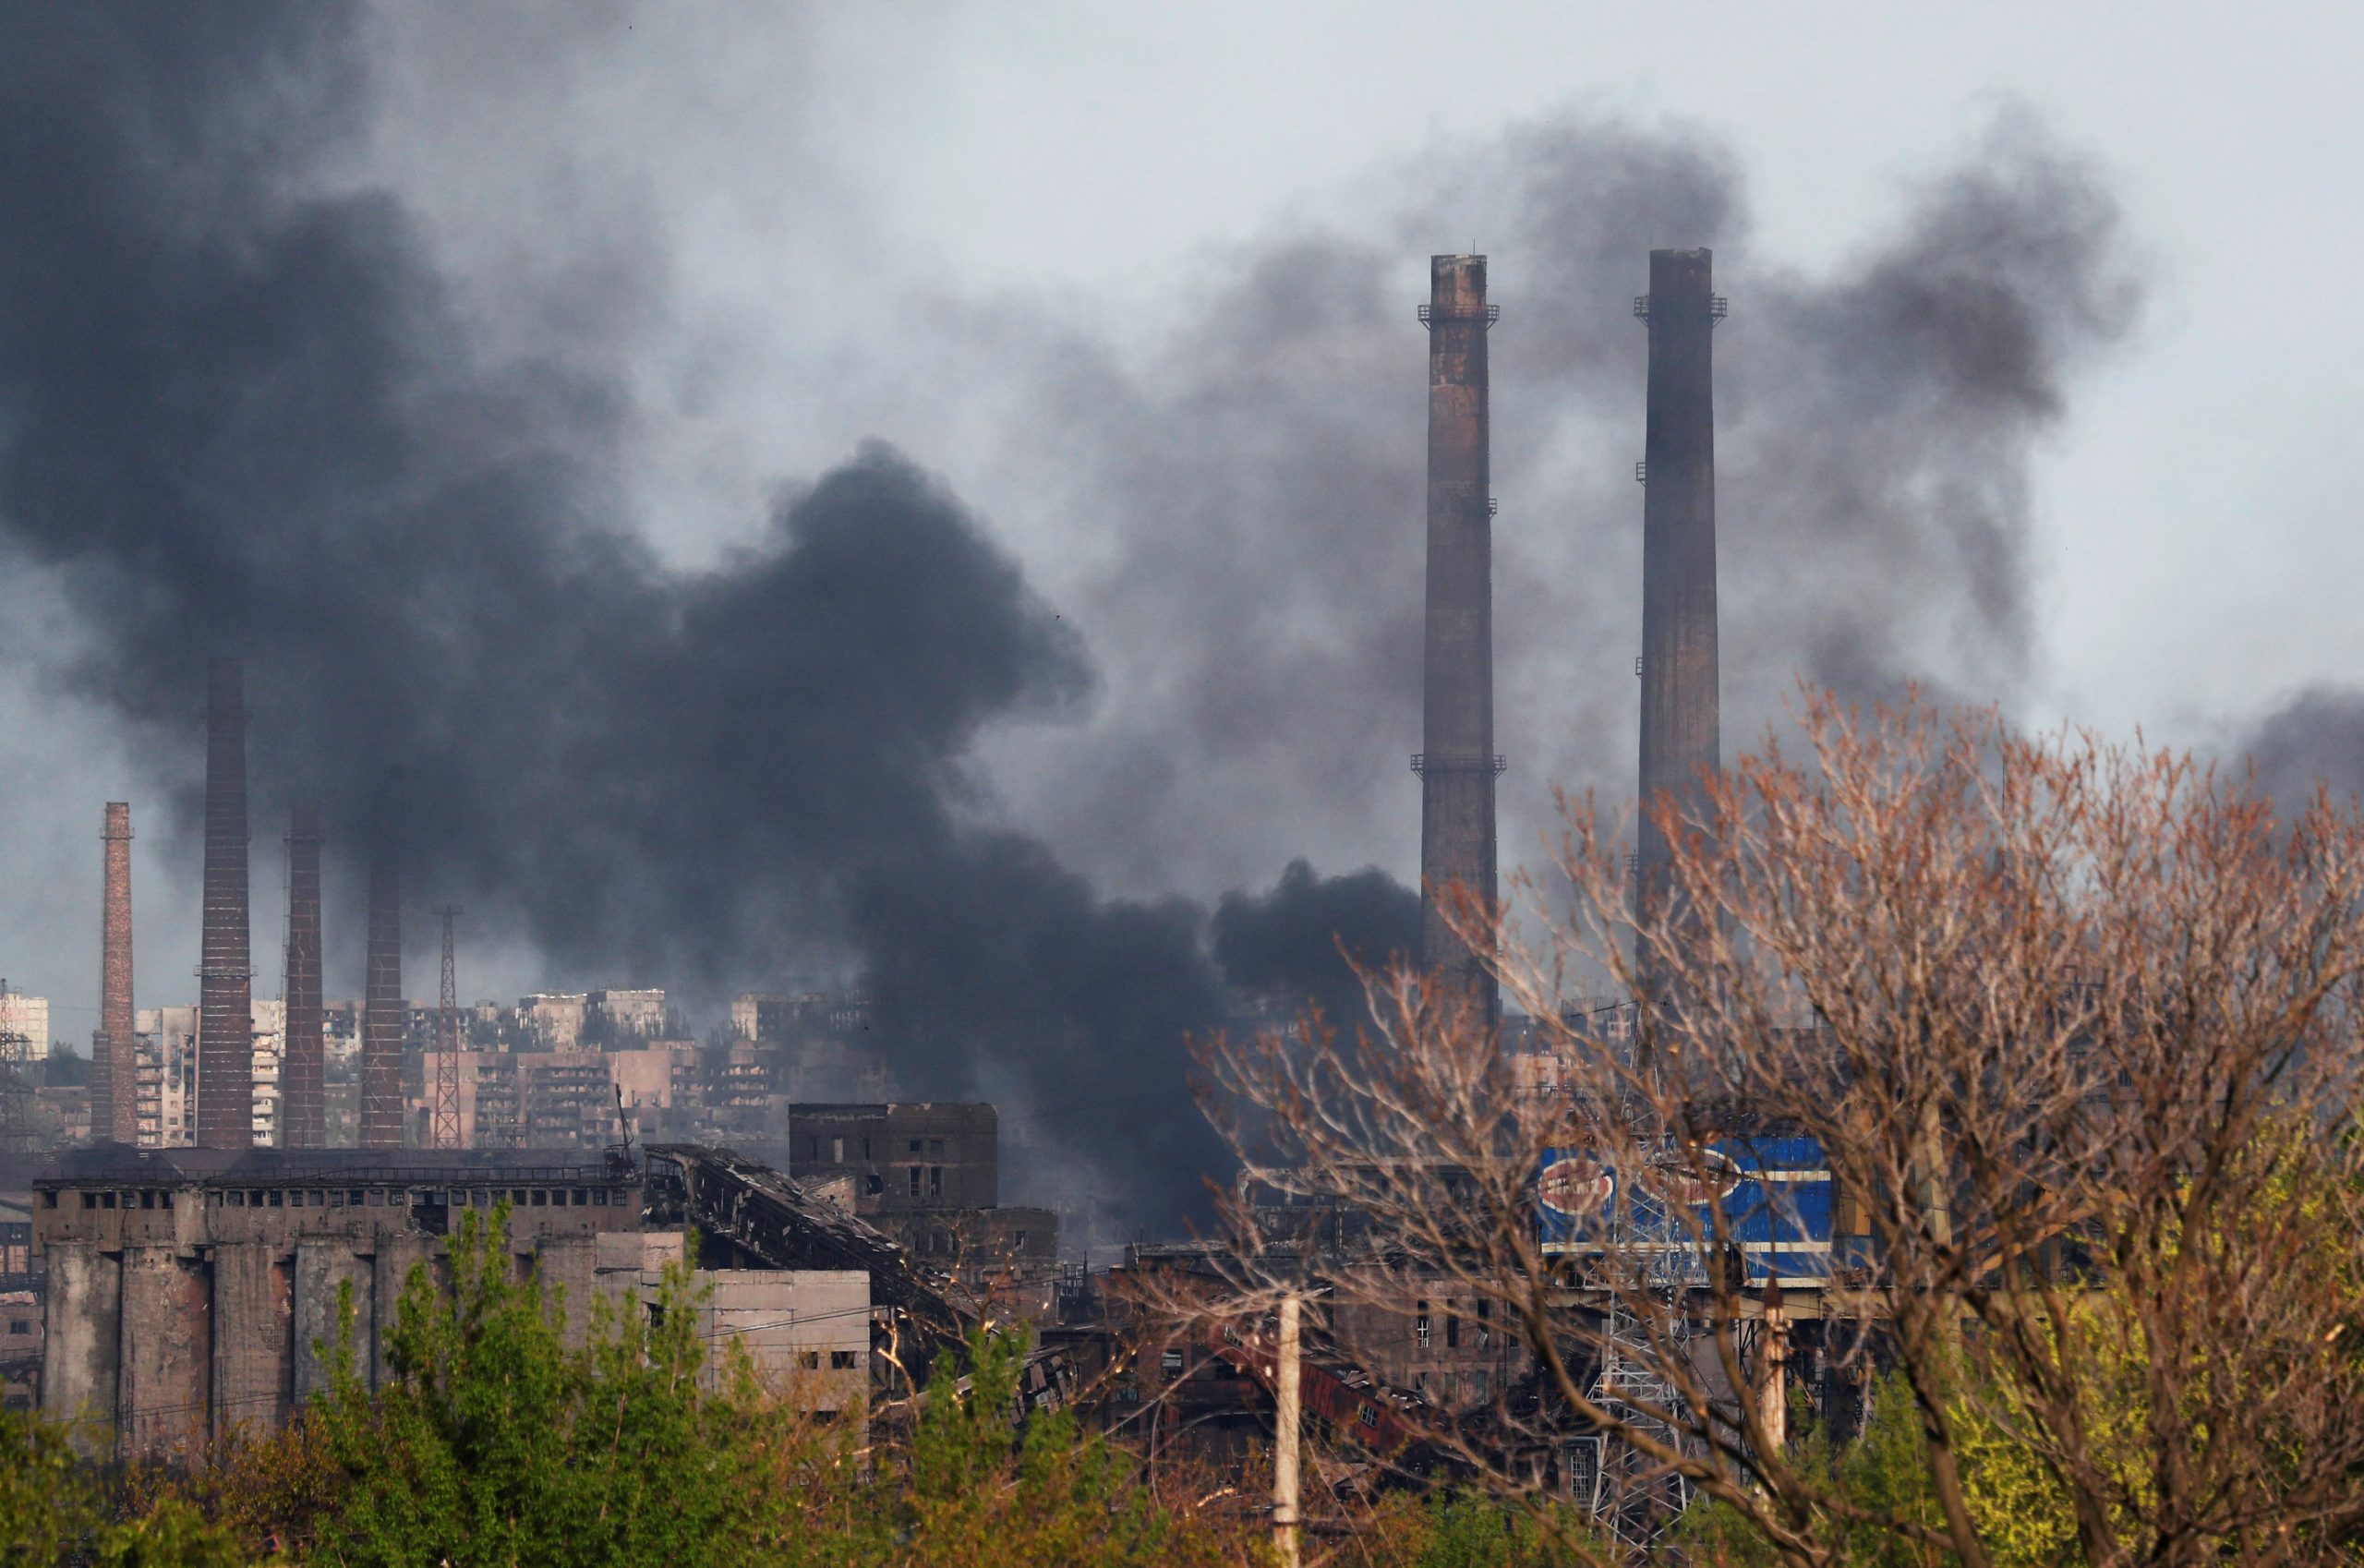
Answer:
(187, 1287)
(807, 1331)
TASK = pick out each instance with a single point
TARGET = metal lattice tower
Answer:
(16, 1091)
(1630, 1495)
(447, 1043)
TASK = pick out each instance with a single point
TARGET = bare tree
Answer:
(2023, 1065)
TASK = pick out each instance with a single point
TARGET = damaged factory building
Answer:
(190, 1290)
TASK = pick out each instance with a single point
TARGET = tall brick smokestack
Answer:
(1680, 742)
(114, 1088)
(225, 1045)
(382, 1008)
(1457, 764)
(303, 1115)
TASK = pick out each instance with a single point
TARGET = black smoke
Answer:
(239, 412)
(1302, 945)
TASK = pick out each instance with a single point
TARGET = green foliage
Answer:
(1884, 1472)
(976, 1488)
(1464, 1530)
(495, 1441)
(54, 1510)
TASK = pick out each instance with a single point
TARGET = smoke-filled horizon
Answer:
(1055, 807)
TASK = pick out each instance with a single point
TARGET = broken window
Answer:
(841, 1360)
(936, 1181)
(916, 1181)
(1452, 1327)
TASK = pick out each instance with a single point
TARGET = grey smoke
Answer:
(2315, 737)
(1877, 427)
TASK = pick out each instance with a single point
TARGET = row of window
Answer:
(839, 1360)
(423, 1197)
(834, 1148)
(356, 1196)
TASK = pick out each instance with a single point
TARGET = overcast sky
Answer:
(786, 230)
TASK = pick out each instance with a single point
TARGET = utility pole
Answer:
(447, 1043)
(1773, 1362)
(1285, 1523)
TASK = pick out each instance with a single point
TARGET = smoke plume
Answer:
(240, 414)
(2315, 737)
(1876, 427)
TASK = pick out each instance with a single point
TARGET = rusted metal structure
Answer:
(225, 1042)
(748, 1214)
(303, 1113)
(1457, 764)
(382, 1023)
(447, 1043)
(115, 1047)
(1681, 745)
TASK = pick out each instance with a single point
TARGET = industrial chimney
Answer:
(382, 1024)
(1681, 746)
(1457, 764)
(114, 1049)
(225, 1045)
(303, 1104)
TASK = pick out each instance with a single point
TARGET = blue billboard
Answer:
(1774, 1196)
